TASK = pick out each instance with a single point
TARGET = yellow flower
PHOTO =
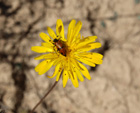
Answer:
(67, 54)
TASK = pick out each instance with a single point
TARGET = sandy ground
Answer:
(115, 85)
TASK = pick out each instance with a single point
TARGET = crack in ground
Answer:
(18, 74)
(5, 8)
(19, 78)
(91, 21)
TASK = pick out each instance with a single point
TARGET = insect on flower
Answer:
(67, 53)
(60, 46)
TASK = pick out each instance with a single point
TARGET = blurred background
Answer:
(115, 85)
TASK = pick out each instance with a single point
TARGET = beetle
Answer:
(60, 46)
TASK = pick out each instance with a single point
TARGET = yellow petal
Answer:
(75, 43)
(76, 31)
(47, 56)
(89, 47)
(59, 73)
(40, 57)
(91, 54)
(48, 45)
(43, 67)
(94, 60)
(70, 30)
(85, 61)
(77, 69)
(85, 71)
(46, 38)
(40, 65)
(78, 38)
(51, 32)
(92, 57)
(79, 75)
(73, 78)
(59, 60)
(86, 40)
(91, 62)
(76, 64)
(95, 45)
(41, 49)
(46, 68)
(89, 39)
(56, 71)
(65, 77)
(60, 28)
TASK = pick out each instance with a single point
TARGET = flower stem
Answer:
(44, 97)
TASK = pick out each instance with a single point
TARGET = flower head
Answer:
(67, 54)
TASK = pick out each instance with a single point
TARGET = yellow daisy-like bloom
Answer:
(66, 54)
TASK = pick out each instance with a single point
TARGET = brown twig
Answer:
(44, 97)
